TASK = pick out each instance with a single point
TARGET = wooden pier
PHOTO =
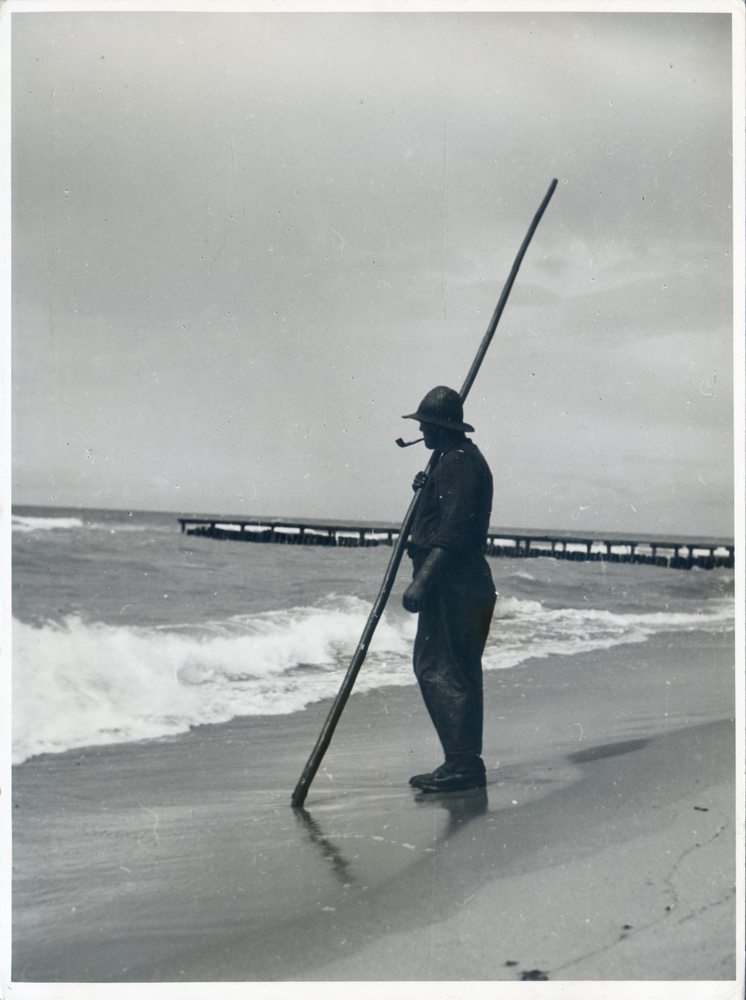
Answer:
(653, 550)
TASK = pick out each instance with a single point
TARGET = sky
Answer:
(245, 244)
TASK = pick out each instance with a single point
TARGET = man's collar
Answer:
(456, 444)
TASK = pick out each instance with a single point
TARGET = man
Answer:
(452, 590)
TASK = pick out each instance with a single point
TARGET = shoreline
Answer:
(181, 859)
(558, 669)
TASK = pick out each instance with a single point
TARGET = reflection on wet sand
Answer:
(461, 807)
(341, 867)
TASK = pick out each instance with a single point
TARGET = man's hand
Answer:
(419, 481)
(413, 597)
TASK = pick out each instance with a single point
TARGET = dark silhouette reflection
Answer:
(340, 865)
(462, 807)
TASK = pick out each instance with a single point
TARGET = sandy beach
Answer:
(603, 848)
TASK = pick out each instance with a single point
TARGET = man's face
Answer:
(431, 433)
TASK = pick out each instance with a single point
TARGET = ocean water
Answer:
(126, 629)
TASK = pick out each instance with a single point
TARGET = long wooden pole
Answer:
(325, 737)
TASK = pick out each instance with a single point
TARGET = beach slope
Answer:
(603, 848)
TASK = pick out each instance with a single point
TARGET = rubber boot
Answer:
(459, 773)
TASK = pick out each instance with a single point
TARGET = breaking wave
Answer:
(26, 524)
(80, 684)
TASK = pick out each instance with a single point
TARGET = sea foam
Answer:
(26, 524)
(78, 684)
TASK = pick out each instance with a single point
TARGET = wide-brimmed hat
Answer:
(441, 406)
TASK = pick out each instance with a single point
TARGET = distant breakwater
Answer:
(674, 553)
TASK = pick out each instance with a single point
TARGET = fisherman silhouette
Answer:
(451, 590)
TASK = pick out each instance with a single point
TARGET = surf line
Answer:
(325, 737)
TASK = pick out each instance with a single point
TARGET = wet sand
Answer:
(603, 848)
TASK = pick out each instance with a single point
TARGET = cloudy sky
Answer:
(245, 244)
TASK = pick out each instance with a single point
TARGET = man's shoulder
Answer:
(465, 451)
(465, 455)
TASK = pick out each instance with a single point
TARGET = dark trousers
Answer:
(451, 634)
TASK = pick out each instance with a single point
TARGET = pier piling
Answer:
(682, 553)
